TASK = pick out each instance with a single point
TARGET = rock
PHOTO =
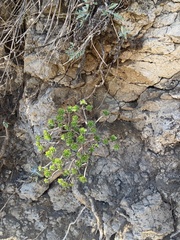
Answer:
(159, 66)
(32, 190)
(164, 20)
(34, 111)
(163, 122)
(150, 218)
(167, 84)
(175, 93)
(161, 45)
(91, 63)
(41, 68)
(101, 151)
(124, 91)
(62, 200)
(172, 6)
(174, 32)
(111, 105)
(142, 16)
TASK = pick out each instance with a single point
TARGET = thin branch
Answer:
(98, 53)
(5, 203)
(38, 234)
(72, 223)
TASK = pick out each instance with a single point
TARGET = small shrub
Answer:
(80, 137)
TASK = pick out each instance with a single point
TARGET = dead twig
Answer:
(6, 140)
(72, 223)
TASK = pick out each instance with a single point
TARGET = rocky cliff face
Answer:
(132, 194)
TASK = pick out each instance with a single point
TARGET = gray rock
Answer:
(32, 190)
(63, 200)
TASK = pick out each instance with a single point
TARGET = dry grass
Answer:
(75, 21)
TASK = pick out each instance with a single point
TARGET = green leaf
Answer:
(66, 153)
(59, 118)
(75, 118)
(38, 138)
(78, 163)
(63, 137)
(47, 173)
(51, 123)
(82, 130)
(84, 158)
(106, 141)
(66, 172)
(106, 112)
(92, 148)
(61, 111)
(113, 138)
(46, 135)
(97, 138)
(57, 161)
(74, 146)
(91, 124)
(89, 108)
(63, 183)
(66, 127)
(46, 180)
(81, 139)
(83, 102)
(74, 122)
(78, 155)
(40, 168)
(70, 109)
(75, 108)
(52, 168)
(118, 16)
(116, 147)
(5, 124)
(93, 130)
(112, 6)
(82, 179)
(49, 153)
(123, 32)
(40, 148)
(52, 149)
(69, 141)
(74, 171)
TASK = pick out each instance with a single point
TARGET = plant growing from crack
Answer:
(80, 137)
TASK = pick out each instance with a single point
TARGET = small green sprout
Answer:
(51, 123)
(116, 147)
(47, 136)
(106, 112)
(89, 108)
(66, 153)
(113, 138)
(106, 141)
(83, 102)
(82, 179)
(82, 130)
(63, 183)
(50, 152)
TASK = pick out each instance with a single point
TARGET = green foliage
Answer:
(83, 13)
(79, 138)
(74, 53)
(106, 112)
(110, 10)
(123, 32)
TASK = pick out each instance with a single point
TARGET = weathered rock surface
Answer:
(132, 194)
